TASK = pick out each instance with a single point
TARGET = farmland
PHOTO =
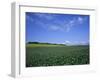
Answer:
(56, 55)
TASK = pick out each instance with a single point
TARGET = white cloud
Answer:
(46, 16)
(67, 41)
(55, 25)
(76, 42)
(72, 23)
(30, 18)
(83, 43)
(54, 28)
(69, 25)
(80, 20)
(61, 26)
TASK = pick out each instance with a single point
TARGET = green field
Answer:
(56, 55)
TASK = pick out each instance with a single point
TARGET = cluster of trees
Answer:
(43, 43)
(33, 42)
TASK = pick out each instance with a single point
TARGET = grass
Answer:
(55, 55)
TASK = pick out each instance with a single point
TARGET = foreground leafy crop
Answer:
(45, 55)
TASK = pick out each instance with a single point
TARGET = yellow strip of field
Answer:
(42, 45)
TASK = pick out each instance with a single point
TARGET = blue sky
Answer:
(57, 28)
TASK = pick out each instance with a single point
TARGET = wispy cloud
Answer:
(67, 42)
(76, 42)
(73, 22)
(69, 29)
(46, 16)
(29, 18)
(52, 22)
(80, 20)
(54, 28)
(66, 25)
(83, 43)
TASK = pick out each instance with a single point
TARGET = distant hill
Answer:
(57, 44)
(43, 43)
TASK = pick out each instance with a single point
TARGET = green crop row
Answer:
(56, 55)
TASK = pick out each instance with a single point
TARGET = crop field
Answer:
(56, 55)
